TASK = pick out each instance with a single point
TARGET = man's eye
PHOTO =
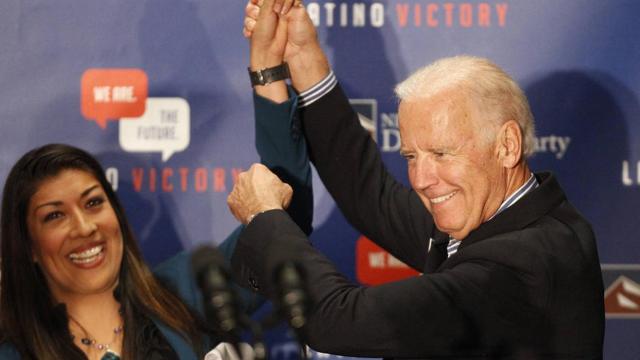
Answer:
(439, 154)
(52, 216)
(408, 156)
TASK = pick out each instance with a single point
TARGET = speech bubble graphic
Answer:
(164, 127)
(113, 94)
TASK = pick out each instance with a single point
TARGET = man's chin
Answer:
(457, 232)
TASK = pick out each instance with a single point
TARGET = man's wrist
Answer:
(254, 215)
(308, 68)
(317, 91)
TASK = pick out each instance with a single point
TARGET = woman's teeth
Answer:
(86, 256)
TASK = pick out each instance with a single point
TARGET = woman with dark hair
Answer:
(74, 284)
(67, 248)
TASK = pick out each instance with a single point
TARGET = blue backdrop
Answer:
(173, 168)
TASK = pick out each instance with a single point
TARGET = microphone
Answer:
(220, 303)
(293, 301)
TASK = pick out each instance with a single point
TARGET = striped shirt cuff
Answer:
(317, 91)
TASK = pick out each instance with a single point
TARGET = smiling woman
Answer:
(67, 250)
(76, 236)
(74, 284)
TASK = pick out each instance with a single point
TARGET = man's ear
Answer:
(509, 144)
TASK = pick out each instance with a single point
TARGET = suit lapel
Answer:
(437, 251)
(527, 210)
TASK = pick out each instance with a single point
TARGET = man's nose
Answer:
(83, 225)
(425, 173)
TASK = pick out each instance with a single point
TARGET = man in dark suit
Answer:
(510, 268)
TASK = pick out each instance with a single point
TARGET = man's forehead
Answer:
(438, 125)
(441, 110)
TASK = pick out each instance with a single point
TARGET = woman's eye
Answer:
(96, 201)
(52, 216)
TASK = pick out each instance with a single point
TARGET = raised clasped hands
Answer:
(258, 190)
(281, 30)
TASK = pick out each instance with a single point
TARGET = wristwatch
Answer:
(269, 75)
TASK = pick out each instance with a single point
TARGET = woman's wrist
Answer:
(262, 60)
(269, 82)
(275, 91)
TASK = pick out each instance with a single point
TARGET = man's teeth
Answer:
(87, 255)
(442, 198)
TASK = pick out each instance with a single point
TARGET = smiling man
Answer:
(465, 127)
(510, 268)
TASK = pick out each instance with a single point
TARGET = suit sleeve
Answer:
(422, 316)
(349, 163)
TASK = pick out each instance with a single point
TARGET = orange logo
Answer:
(375, 266)
(112, 94)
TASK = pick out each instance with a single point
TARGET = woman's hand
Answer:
(252, 10)
(288, 35)
(266, 26)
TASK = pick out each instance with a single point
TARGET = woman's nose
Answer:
(83, 226)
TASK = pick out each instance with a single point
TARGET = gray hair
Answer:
(494, 92)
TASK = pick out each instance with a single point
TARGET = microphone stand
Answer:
(293, 301)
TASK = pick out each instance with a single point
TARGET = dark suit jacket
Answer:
(526, 284)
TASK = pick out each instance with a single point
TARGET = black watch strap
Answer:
(269, 75)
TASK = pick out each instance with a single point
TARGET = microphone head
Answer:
(289, 274)
(220, 303)
(293, 301)
(203, 259)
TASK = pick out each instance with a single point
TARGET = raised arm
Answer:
(281, 148)
(279, 139)
(344, 154)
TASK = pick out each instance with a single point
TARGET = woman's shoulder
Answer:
(174, 270)
(8, 351)
(176, 274)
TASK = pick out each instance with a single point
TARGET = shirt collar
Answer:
(529, 185)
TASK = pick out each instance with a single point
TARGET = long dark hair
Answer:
(29, 317)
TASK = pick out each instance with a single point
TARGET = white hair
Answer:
(492, 90)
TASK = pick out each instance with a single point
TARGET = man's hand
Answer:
(308, 64)
(258, 190)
